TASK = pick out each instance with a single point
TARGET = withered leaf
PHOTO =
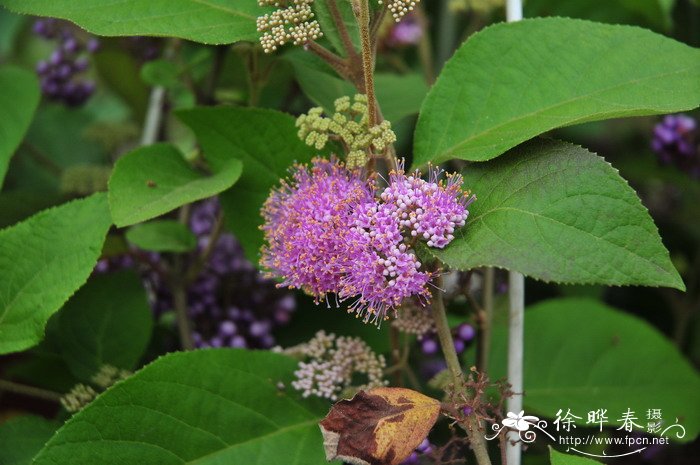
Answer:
(381, 426)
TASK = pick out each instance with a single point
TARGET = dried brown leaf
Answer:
(381, 426)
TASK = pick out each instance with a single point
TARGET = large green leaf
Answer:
(44, 260)
(206, 21)
(514, 81)
(266, 142)
(204, 407)
(154, 180)
(22, 437)
(19, 98)
(107, 322)
(654, 13)
(559, 458)
(583, 355)
(162, 236)
(557, 212)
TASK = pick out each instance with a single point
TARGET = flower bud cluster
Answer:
(399, 8)
(349, 125)
(330, 364)
(82, 394)
(413, 318)
(291, 22)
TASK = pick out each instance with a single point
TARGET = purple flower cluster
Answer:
(230, 303)
(462, 336)
(676, 143)
(424, 448)
(328, 232)
(59, 73)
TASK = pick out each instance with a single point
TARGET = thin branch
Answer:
(31, 391)
(342, 28)
(42, 159)
(486, 320)
(336, 62)
(178, 286)
(473, 428)
(425, 46)
(197, 267)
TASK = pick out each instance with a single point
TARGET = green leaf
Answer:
(154, 180)
(45, 259)
(514, 81)
(654, 13)
(107, 322)
(162, 236)
(559, 458)
(583, 355)
(22, 437)
(557, 212)
(19, 98)
(266, 142)
(205, 407)
(400, 95)
(206, 21)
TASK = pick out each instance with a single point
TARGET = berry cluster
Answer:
(59, 74)
(291, 22)
(331, 363)
(349, 125)
(399, 8)
(327, 232)
(230, 303)
(462, 336)
(676, 143)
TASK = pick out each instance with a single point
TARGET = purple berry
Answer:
(93, 45)
(429, 346)
(459, 345)
(466, 332)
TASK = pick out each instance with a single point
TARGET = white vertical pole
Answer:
(516, 295)
(516, 336)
